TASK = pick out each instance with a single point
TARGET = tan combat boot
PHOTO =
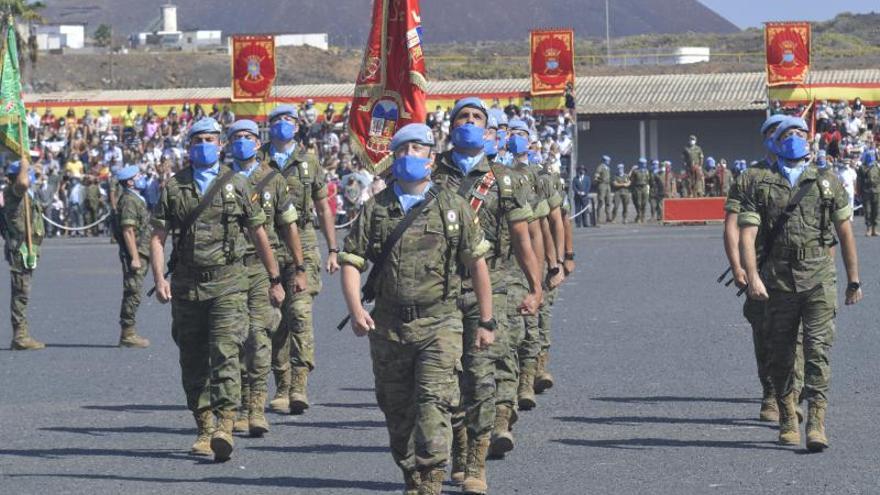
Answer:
(240, 425)
(459, 453)
(526, 391)
(789, 429)
(280, 403)
(299, 378)
(502, 438)
(22, 341)
(129, 338)
(412, 481)
(769, 407)
(475, 473)
(205, 424)
(221, 440)
(816, 439)
(431, 482)
(543, 378)
(257, 423)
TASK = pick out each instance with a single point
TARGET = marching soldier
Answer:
(133, 236)
(209, 208)
(602, 180)
(692, 156)
(415, 329)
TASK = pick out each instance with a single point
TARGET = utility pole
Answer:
(607, 35)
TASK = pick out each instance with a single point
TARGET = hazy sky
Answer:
(751, 13)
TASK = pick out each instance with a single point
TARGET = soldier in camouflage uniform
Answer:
(133, 225)
(92, 204)
(208, 288)
(692, 156)
(799, 273)
(602, 181)
(640, 180)
(293, 346)
(504, 213)
(620, 185)
(869, 188)
(15, 219)
(662, 186)
(270, 192)
(415, 330)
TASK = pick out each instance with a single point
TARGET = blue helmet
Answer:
(419, 133)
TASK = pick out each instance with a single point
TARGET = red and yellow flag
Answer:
(787, 45)
(253, 67)
(390, 88)
(552, 60)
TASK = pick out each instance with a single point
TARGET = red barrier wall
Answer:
(681, 210)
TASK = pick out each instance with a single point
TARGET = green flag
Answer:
(13, 123)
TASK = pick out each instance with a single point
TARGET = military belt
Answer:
(804, 253)
(412, 312)
(208, 274)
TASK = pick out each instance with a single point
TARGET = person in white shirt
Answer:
(847, 175)
(105, 121)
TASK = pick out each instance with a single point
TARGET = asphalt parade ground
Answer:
(656, 390)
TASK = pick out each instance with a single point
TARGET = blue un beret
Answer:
(606, 159)
(771, 121)
(243, 125)
(206, 125)
(518, 125)
(127, 173)
(470, 101)
(280, 110)
(790, 123)
(420, 133)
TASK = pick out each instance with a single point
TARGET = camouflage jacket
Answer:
(278, 208)
(132, 211)
(869, 179)
(602, 175)
(305, 184)
(16, 235)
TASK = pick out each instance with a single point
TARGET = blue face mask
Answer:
(282, 130)
(501, 136)
(490, 147)
(468, 136)
(410, 168)
(534, 158)
(464, 162)
(243, 149)
(821, 163)
(140, 183)
(793, 147)
(517, 144)
(204, 155)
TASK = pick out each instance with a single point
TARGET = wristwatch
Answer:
(553, 271)
(275, 280)
(491, 324)
(569, 256)
(333, 250)
(853, 286)
(300, 268)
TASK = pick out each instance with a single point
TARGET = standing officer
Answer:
(869, 187)
(581, 186)
(269, 191)
(620, 185)
(504, 215)
(133, 223)
(602, 179)
(293, 347)
(798, 276)
(415, 329)
(692, 156)
(641, 187)
(24, 232)
(209, 208)
(91, 204)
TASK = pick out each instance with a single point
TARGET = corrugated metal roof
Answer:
(668, 93)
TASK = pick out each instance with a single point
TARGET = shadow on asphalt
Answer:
(350, 405)
(82, 452)
(623, 420)
(279, 481)
(358, 389)
(126, 429)
(137, 407)
(337, 425)
(669, 398)
(645, 443)
(323, 449)
(83, 346)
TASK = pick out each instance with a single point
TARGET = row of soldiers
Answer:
(784, 218)
(467, 250)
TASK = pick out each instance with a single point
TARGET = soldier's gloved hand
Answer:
(757, 291)
(739, 278)
(362, 322)
(300, 283)
(163, 291)
(276, 295)
(332, 265)
(485, 338)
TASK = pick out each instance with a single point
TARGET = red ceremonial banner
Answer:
(253, 67)
(390, 88)
(787, 45)
(552, 61)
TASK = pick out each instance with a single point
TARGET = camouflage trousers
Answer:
(871, 200)
(814, 310)
(256, 360)
(621, 200)
(209, 335)
(294, 342)
(18, 297)
(545, 317)
(480, 367)
(603, 201)
(754, 313)
(523, 337)
(132, 286)
(640, 200)
(414, 366)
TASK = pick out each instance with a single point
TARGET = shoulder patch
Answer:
(506, 180)
(229, 187)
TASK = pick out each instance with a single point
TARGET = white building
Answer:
(317, 40)
(60, 36)
(192, 40)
